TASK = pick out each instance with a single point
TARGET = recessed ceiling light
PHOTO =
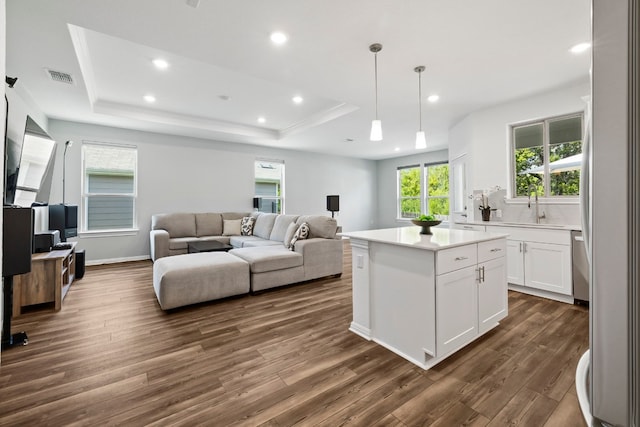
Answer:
(224, 97)
(278, 37)
(160, 64)
(580, 47)
(297, 99)
(150, 98)
(262, 120)
(433, 98)
(396, 149)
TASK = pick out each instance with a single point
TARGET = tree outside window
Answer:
(547, 157)
(415, 198)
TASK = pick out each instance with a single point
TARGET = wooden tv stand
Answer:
(49, 280)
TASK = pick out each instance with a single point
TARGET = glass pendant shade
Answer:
(376, 124)
(376, 130)
(421, 140)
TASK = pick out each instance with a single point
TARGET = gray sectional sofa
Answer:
(267, 252)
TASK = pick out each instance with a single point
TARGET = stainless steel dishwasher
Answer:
(580, 267)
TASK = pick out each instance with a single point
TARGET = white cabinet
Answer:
(471, 227)
(470, 299)
(457, 309)
(538, 259)
(548, 267)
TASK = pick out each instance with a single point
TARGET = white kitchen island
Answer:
(426, 296)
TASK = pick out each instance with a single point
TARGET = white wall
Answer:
(387, 185)
(484, 137)
(193, 175)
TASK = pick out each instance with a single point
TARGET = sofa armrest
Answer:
(321, 257)
(159, 241)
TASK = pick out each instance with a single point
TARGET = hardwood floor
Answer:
(279, 358)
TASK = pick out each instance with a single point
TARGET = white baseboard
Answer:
(117, 260)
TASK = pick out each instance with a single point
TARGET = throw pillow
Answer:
(301, 233)
(231, 227)
(246, 225)
(288, 235)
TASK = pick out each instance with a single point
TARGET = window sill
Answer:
(108, 233)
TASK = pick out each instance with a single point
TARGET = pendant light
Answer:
(376, 125)
(421, 141)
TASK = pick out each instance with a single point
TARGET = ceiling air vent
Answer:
(59, 76)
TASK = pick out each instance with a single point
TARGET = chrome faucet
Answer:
(535, 192)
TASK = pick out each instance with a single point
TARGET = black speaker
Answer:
(64, 218)
(80, 260)
(333, 203)
(17, 241)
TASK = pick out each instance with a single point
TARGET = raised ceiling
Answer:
(224, 72)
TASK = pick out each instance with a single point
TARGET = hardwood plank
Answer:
(111, 356)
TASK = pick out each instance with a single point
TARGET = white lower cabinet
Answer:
(539, 259)
(472, 299)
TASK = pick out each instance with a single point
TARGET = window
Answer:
(109, 187)
(409, 190)
(546, 157)
(415, 198)
(269, 185)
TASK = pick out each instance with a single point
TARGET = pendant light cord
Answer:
(375, 62)
(420, 98)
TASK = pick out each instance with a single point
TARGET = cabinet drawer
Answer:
(471, 227)
(456, 258)
(492, 249)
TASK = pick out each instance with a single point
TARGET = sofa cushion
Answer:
(234, 215)
(320, 226)
(263, 259)
(261, 242)
(208, 224)
(264, 225)
(291, 229)
(246, 226)
(177, 224)
(239, 241)
(280, 226)
(231, 227)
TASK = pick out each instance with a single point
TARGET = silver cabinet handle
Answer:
(495, 250)
(520, 246)
(524, 245)
(460, 258)
(483, 273)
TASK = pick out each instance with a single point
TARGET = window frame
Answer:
(280, 198)
(400, 198)
(85, 195)
(424, 197)
(425, 179)
(545, 151)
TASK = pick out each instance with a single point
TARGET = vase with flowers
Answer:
(484, 207)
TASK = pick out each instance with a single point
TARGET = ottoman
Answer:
(192, 278)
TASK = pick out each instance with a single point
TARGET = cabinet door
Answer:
(456, 309)
(548, 267)
(515, 262)
(492, 294)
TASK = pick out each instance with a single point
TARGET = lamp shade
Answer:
(376, 130)
(421, 140)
